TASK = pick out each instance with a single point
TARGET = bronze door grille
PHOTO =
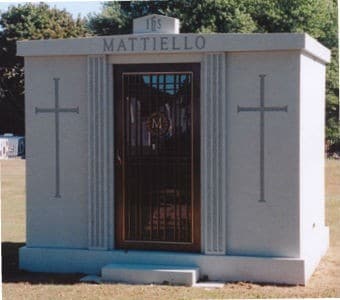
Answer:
(155, 158)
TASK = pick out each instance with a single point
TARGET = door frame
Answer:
(120, 243)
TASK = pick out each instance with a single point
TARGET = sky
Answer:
(74, 7)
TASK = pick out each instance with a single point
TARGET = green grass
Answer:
(325, 281)
(13, 224)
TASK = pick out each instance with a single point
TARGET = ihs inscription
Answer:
(153, 23)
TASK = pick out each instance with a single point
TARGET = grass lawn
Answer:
(325, 281)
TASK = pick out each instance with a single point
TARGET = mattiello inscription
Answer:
(154, 43)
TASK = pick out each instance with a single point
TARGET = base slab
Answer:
(212, 268)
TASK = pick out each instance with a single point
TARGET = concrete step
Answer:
(148, 274)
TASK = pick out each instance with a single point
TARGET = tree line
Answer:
(39, 21)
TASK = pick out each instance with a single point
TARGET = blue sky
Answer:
(83, 8)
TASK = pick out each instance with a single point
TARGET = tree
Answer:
(111, 20)
(319, 19)
(32, 22)
(213, 16)
(315, 17)
(195, 15)
(332, 104)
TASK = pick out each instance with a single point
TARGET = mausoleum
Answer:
(160, 156)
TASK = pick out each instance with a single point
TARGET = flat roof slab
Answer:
(175, 43)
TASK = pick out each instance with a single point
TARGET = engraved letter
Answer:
(200, 42)
(121, 45)
(164, 43)
(186, 43)
(132, 43)
(174, 44)
(144, 42)
(154, 43)
(153, 23)
(108, 47)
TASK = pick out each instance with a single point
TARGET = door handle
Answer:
(119, 159)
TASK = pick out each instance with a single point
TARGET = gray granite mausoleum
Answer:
(159, 156)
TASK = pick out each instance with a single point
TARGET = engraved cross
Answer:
(57, 110)
(262, 109)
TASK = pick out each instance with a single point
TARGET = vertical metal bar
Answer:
(135, 167)
(136, 120)
(125, 134)
(126, 110)
(134, 162)
(181, 194)
(175, 188)
(139, 108)
(150, 167)
(193, 102)
(162, 194)
(157, 176)
(126, 130)
(135, 158)
(140, 162)
(132, 88)
(184, 170)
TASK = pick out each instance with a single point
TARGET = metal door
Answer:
(157, 156)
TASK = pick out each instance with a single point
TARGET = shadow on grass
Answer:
(12, 274)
